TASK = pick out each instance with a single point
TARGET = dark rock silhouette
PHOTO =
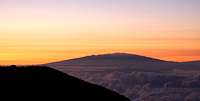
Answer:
(123, 61)
(116, 59)
(37, 82)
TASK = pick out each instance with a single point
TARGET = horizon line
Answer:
(99, 55)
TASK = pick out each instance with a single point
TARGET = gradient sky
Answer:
(40, 31)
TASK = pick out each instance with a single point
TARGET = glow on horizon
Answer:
(41, 31)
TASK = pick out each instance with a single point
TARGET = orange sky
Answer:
(41, 31)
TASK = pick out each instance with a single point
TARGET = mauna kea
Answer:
(122, 61)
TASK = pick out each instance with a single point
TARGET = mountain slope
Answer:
(43, 82)
(192, 63)
(121, 61)
(110, 59)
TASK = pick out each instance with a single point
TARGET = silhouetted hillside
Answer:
(122, 61)
(116, 59)
(43, 82)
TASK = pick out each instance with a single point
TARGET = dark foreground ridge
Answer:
(46, 83)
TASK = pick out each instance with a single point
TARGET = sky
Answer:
(42, 31)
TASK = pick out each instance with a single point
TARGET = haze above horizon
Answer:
(41, 31)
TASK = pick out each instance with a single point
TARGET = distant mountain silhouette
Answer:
(121, 61)
(37, 82)
(93, 60)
